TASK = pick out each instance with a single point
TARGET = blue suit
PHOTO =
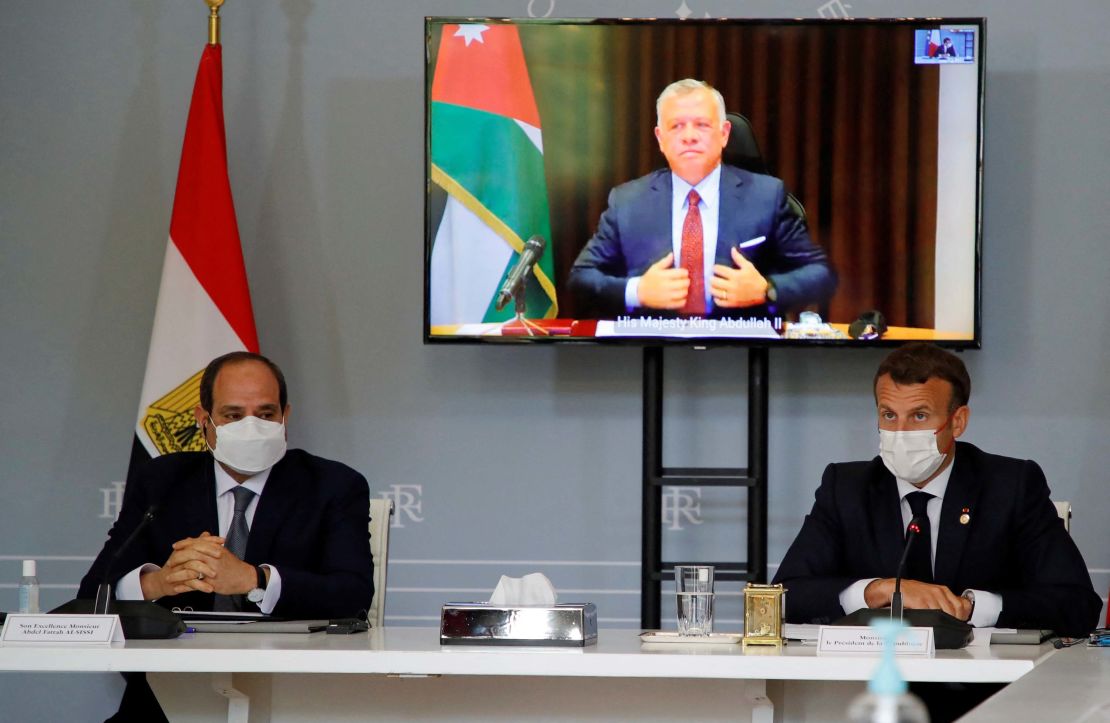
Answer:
(310, 523)
(1012, 543)
(635, 232)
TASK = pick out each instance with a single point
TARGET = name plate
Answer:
(62, 629)
(862, 640)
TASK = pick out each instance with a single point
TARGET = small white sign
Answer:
(842, 639)
(62, 629)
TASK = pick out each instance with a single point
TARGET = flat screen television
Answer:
(845, 210)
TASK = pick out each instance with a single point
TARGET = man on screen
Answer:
(946, 50)
(700, 238)
(993, 551)
(246, 526)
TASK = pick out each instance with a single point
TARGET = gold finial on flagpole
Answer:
(214, 21)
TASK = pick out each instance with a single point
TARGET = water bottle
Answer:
(887, 699)
(29, 589)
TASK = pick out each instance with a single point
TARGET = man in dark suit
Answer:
(946, 50)
(994, 552)
(245, 526)
(699, 238)
(991, 548)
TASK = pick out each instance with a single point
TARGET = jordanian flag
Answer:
(204, 305)
(487, 155)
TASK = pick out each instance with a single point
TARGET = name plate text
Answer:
(63, 629)
(841, 639)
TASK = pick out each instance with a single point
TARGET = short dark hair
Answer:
(208, 379)
(918, 362)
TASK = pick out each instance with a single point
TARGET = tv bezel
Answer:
(702, 342)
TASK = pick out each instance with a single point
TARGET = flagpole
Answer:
(214, 21)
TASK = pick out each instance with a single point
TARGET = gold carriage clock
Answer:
(763, 609)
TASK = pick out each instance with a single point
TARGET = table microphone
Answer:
(913, 530)
(104, 590)
(948, 632)
(528, 258)
(141, 619)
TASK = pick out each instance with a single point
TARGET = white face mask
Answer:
(912, 456)
(250, 445)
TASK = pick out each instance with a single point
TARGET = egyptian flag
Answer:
(487, 160)
(934, 44)
(204, 304)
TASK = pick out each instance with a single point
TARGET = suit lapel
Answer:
(658, 216)
(199, 501)
(886, 512)
(962, 492)
(731, 193)
(272, 509)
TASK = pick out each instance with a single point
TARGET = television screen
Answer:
(772, 182)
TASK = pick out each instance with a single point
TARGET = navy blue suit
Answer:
(1014, 543)
(310, 523)
(635, 232)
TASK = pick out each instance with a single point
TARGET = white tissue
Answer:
(533, 589)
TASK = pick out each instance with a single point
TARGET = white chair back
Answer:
(381, 510)
(1064, 510)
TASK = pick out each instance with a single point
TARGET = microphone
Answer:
(104, 590)
(913, 530)
(948, 632)
(528, 258)
(141, 619)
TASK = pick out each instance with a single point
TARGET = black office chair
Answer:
(742, 151)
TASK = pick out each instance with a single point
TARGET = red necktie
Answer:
(693, 258)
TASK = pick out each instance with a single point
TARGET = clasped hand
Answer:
(199, 564)
(918, 595)
(665, 287)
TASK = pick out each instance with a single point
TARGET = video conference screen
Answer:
(583, 184)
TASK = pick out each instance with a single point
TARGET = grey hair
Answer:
(685, 87)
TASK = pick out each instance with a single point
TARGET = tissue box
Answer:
(568, 625)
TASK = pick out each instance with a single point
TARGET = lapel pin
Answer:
(964, 516)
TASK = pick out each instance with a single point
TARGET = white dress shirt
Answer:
(709, 191)
(988, 605)
(129, 587)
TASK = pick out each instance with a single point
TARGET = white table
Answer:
(1072, 685)
(403, 673)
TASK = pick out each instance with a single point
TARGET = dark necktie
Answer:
(236, 543)
(919, 565)
(693, 258)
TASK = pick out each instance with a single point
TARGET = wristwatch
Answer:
(772, 292)
(256, 595)
(969, 595)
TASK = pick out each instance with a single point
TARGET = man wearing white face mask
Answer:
(991, 551)
(247, 525)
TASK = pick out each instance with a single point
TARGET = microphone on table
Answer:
(913, 530)
(533, 249)
(141, 619)
(104, 590)
(948, 632)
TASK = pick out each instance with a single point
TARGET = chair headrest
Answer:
(742, 150)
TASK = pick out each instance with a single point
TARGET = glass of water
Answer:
(694, 584)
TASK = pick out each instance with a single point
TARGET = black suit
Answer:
(310, 523)
(1014, 544)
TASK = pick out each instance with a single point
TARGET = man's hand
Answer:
(202, 564)
(738, 287)
(662, 286)
(918, 595)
